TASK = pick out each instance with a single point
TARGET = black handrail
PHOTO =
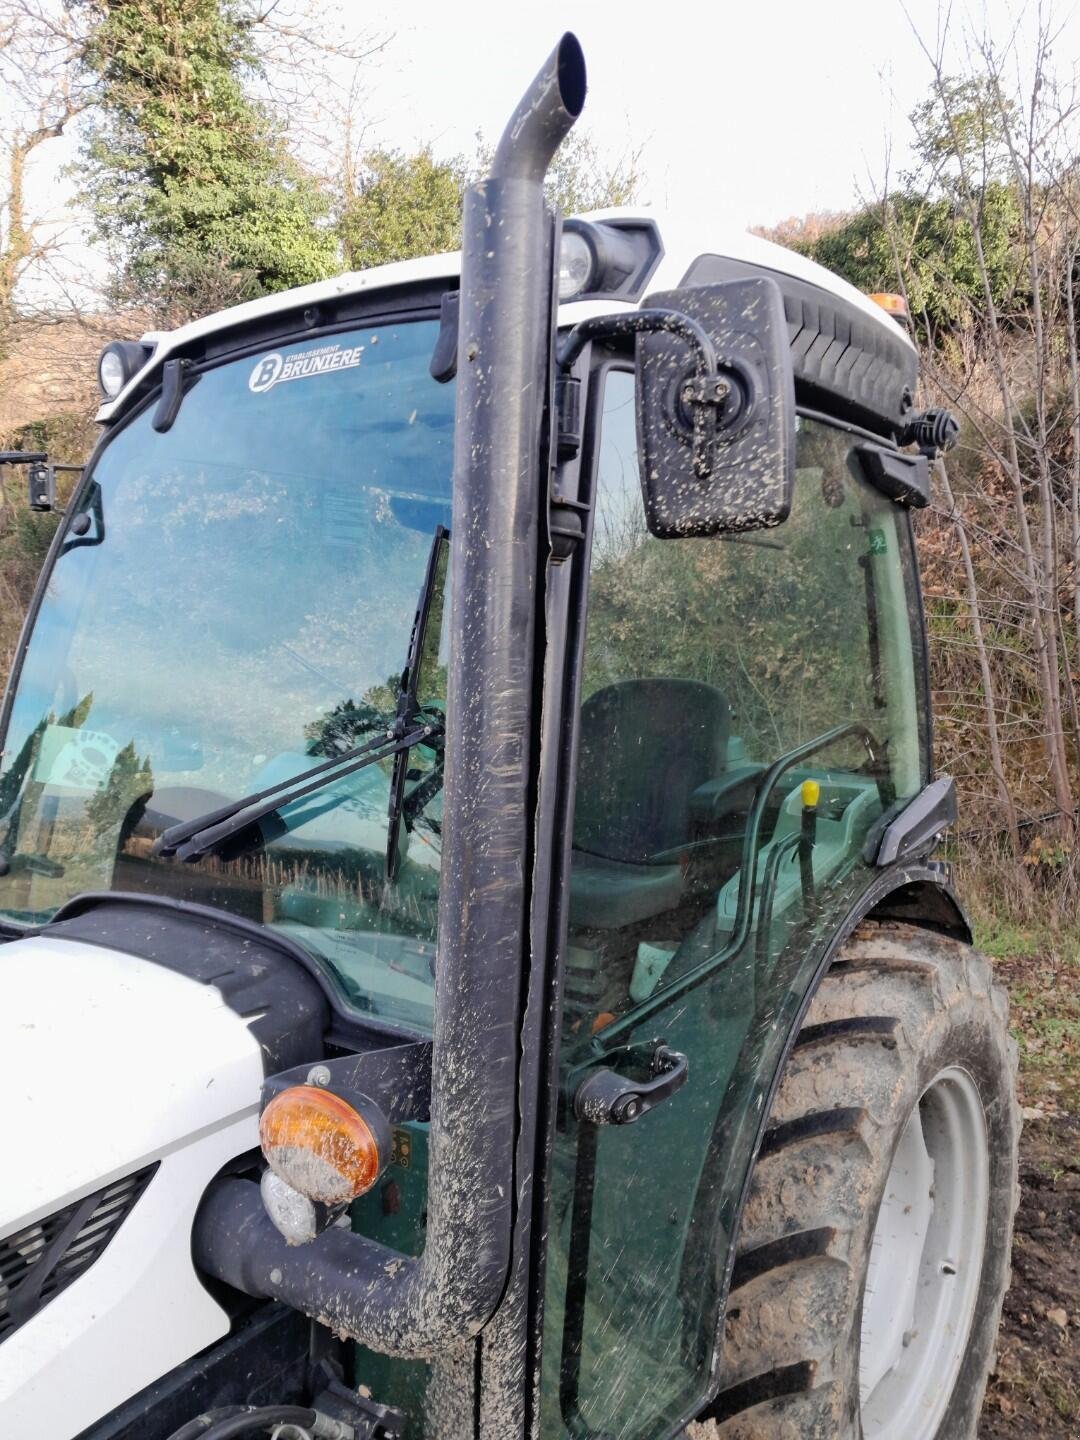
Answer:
(780, 851)
(607, 1038)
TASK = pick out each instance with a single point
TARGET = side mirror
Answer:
(721, 457)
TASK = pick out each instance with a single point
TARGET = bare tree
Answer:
(901, 246)
(971, 589)
(1024, 125)
(313, 59)
(41, 45)
(1073, 263)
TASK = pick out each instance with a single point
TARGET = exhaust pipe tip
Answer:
(544, 115)
(570, 71)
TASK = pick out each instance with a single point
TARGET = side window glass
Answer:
(707, 661)
(749, 712)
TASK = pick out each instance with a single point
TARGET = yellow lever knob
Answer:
(811, 794)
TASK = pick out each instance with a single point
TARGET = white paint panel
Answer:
(108, 1063)
(139, 1311)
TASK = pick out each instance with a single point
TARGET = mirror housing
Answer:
(748, 420)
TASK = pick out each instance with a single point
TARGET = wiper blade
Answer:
(408, 706)
(194, 838)
(35, 864)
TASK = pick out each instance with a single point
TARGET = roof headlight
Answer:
(118, 363)
(607, 259)
(577, 264)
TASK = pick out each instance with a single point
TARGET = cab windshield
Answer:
(232, 606)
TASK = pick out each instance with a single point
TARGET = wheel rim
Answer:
(926, 1256)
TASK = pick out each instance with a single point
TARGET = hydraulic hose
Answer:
(196, 1428)
(235, 1420)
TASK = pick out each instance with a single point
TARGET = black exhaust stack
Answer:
(387, 1301)
(544, 117)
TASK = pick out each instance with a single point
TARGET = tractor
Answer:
(474, 960)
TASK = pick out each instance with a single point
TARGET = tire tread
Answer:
(789, 1363)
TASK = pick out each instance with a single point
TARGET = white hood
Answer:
(107, 1062)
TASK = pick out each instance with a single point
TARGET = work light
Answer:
(894, 305)
(576, 264)
(118, 363)
(607, 259)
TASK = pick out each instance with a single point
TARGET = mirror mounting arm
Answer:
(703, 395)
(639, 322)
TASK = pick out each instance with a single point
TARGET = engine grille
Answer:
(36, 1263)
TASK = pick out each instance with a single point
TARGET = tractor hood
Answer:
(109, 1062)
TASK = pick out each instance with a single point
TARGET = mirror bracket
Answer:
(41, 486)
(40, 477)
(704, 394)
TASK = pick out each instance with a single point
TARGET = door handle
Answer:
(607, 1098)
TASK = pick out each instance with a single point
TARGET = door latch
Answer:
(606, 1098)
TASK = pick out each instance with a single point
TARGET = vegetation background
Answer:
(202, 198)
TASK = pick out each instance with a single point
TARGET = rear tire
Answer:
(906, 1026)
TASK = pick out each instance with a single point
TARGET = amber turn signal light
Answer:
(321, 1146)
(894, 305)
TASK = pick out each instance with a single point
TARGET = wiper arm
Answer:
(408, 706)
(194, 838)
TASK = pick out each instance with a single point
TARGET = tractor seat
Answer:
(646, 747)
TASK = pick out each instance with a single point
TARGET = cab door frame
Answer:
(915, 888)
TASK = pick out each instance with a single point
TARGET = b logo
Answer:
(266, 373)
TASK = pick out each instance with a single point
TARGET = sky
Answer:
(745, 114)
(790, 104)
(781, 105)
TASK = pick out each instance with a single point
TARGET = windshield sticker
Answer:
(75, 759)
(275, 369)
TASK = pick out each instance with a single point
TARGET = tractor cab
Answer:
(467, 709)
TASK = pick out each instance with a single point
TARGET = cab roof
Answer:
(683, 244)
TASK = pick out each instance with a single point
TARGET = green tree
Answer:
(397, 206)
(401, 206)
(928, 240)
(186, 173)
(583, 178)
(114, 811)
(961, 125)
(924, 235)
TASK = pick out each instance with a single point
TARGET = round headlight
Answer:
(111, 374)
(576, 264)
(117, 364)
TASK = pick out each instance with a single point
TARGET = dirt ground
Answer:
(1035, 1391)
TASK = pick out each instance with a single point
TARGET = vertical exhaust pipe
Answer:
(390, 1302)
(505, 331)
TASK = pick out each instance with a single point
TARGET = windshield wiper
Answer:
(408, 706)
(194, 838)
